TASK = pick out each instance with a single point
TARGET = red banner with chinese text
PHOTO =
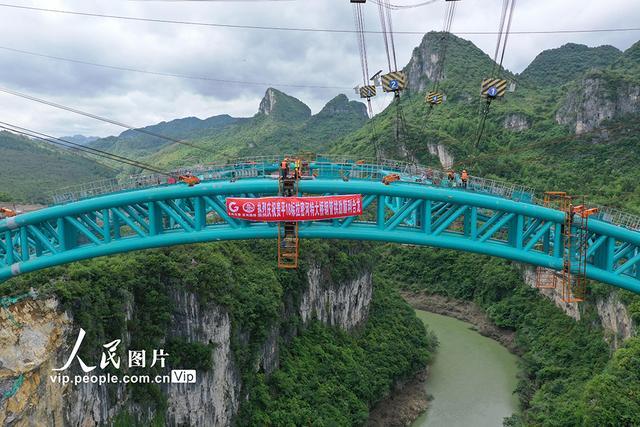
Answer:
(294, 208)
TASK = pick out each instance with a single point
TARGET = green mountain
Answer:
(459, 63)
(31, 169)
(283, 124)
(133, 143)
(631, 57)
(280, 106)
(581, 137)
(555, 67)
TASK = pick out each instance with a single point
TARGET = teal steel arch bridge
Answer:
(422, 208)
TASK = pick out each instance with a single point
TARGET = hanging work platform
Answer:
(288, 239)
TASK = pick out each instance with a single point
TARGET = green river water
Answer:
(471, 379)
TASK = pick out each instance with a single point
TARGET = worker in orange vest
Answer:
(284, 167)
(7, 213)
(465, 178)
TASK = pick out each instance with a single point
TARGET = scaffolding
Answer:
(575, 240)
(574, 288)
(546, 278)
(288, 239)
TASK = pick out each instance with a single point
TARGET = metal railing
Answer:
(238, 169)
(329, 166)
(618, 217)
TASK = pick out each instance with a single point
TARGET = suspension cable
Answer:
(448, 22)
(439, 73)
(506, 36)
(359, 41)
(391, 38)
(505, 4)
(407, 6)
(383, 26)
(501, 47)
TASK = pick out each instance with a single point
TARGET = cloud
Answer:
(275, 57)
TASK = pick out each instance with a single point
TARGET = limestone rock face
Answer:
(31, 333)
(345, 305)
(571, 309)
(281, 106)
(46, 335)
(614, 316)
(268, 103)
(215, 398)
(516, 122)
(596, 98)
(443, 154)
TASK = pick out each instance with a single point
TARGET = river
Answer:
(471, 379)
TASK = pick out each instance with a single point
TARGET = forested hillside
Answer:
(30, 169)
(555, 67)
(326, 376)
(283, 124)
(580, 137)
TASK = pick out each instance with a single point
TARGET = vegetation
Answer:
(545, 155)
(559, 356)
(555, 67)
(134, 144)
(328, 377)
(132, 293)
(31, 169)
(612, 398)
(284, 124)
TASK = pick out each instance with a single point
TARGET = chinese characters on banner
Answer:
(294, 208)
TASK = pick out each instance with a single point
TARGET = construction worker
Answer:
(284, 167)
(189, 179)
(7, 213)
(465, 178)
(451, 176)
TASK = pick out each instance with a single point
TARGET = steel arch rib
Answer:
(68, 233)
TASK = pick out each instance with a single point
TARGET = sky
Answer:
(281, 59)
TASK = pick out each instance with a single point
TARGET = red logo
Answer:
(249, 207)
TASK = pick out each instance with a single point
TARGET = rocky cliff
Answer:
(613, 314)
(31, 336)
(516, 122)
(44, 338)
(345, 307)
(282, 106)
(456, 63)
(443, 154)
(215, 397)
(597, 97)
